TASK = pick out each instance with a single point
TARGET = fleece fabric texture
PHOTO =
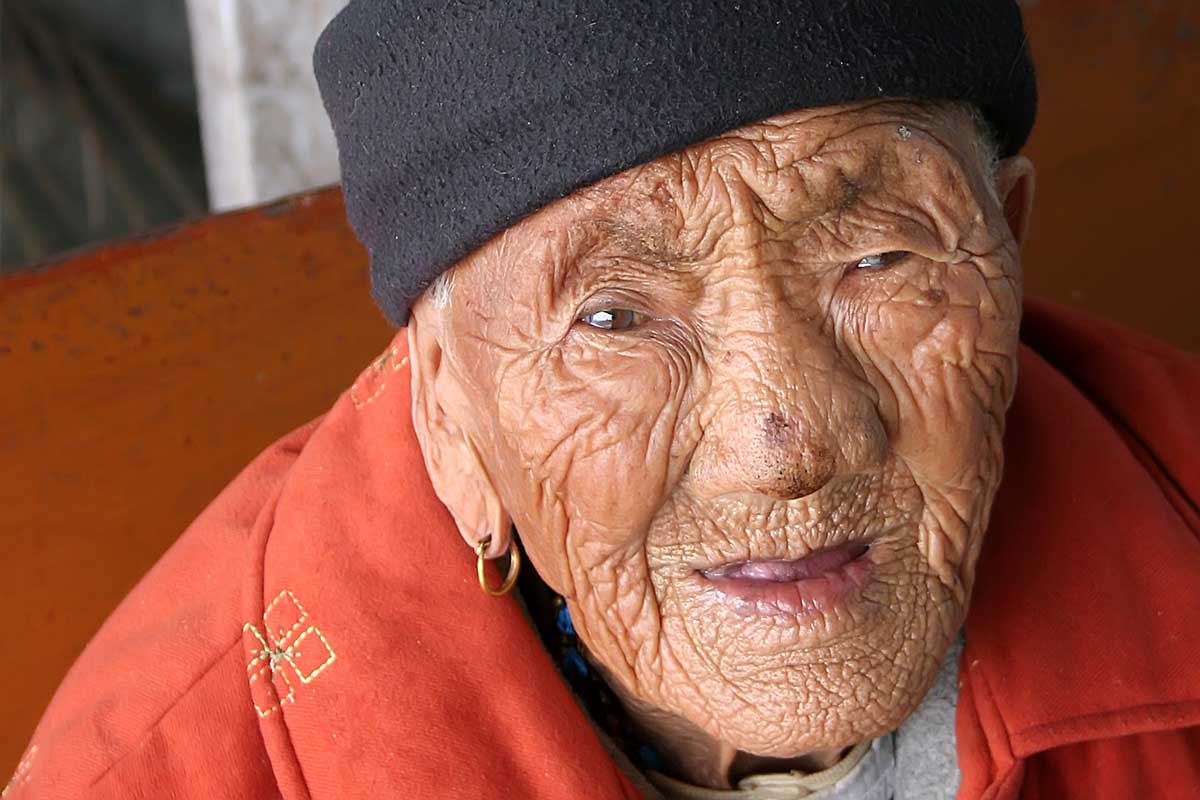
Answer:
(318, 633)
(455, 120)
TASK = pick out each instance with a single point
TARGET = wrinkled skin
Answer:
(769, 399)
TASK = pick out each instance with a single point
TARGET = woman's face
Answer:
(744, 404)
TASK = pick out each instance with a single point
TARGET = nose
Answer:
(787, 458)
(784, 423)
(781, 453)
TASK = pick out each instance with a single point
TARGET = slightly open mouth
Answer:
(812, 566)
(819, 582)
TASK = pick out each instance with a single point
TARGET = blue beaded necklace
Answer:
(552, 621)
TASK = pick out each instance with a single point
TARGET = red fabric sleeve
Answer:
(157, 705)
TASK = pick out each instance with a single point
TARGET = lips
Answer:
(818, 583)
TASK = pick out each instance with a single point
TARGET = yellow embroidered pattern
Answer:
(374, 379)
(289, 652)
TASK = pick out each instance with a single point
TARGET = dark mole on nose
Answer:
(775, 429)
(797, 468)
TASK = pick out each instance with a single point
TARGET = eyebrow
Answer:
(648, 242)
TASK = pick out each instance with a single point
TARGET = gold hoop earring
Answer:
(514, 568)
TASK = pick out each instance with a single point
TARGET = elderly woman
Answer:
(711, 316)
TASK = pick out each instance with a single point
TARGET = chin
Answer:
(783, 682)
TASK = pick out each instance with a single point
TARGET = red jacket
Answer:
(318, 631)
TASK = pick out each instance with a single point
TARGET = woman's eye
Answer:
(881, 260)
(612, 319)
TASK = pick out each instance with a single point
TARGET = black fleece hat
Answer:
(456, 119)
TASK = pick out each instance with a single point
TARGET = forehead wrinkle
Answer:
(946, 202)
(818, 192)
(633, 224)
(647, 241)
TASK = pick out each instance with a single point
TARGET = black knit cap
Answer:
(456, 119)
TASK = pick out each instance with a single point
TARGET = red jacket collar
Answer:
(1085, 617)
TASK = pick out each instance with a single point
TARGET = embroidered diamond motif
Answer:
(290, 653)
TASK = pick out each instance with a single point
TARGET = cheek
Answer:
(939, 345)
(590, 428)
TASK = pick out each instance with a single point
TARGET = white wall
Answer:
(264, 129)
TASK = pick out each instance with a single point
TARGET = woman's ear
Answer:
(1014, 186)
(443, 411)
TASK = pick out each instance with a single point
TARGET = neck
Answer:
(689, 753)
(694, 756)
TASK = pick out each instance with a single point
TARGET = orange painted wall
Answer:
(1117, 149)
(136, 379)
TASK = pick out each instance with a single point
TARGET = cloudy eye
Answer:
(881, 260)
(612, 319)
